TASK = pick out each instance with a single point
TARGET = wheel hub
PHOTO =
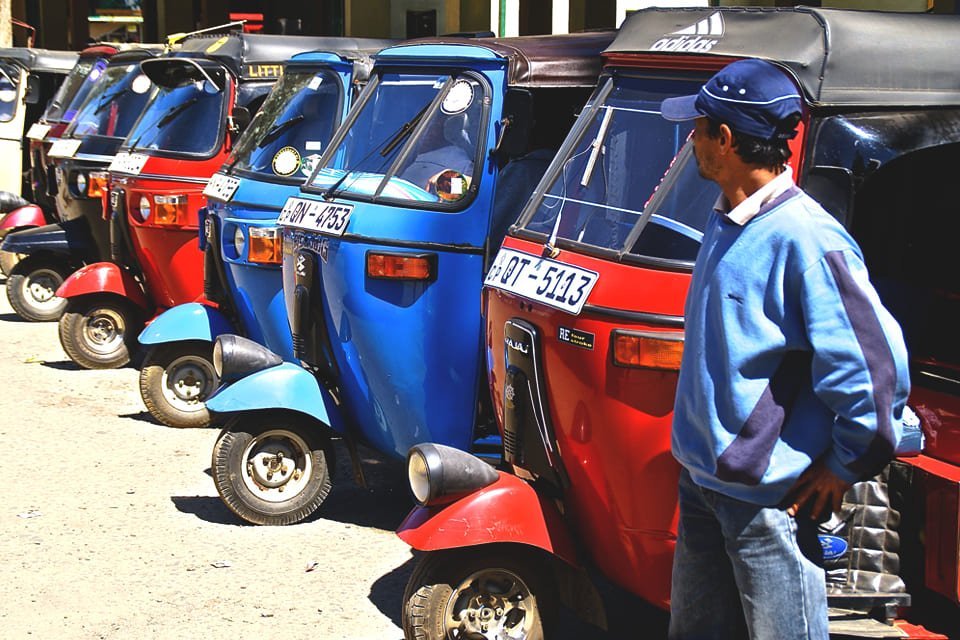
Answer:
(493, 604)
(103, 330)
(187, 382)
(41, 287)
(277, 466)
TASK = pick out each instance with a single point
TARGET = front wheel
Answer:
(175, 381)
(493, 592)
(32, 288)
(99, 331)
(272, 469)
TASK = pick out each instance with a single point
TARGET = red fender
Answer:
(104, 277)
(509, 510)
(27, 216)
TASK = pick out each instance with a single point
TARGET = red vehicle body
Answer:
(208, 89)
(583, 378)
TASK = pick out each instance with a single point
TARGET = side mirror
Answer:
(239, 120)
(833, 188)
(514, 134)
(32, 94)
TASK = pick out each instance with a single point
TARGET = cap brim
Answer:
(680, 108)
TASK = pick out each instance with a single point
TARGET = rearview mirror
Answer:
(32, 94)
(239, 120)
(833, 188)
(513, 136)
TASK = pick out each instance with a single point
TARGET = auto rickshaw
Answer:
(50, 253)
(240, 239)
(207, 91)
(384, 255)
(584, 329)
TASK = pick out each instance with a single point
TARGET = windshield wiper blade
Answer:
(176, 111)
(597, 145)
(107, 98)
(274, 133)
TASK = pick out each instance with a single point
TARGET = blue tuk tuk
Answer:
(238, 231)
(383, 261)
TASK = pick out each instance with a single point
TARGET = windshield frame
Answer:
(230, 168)
(69, 132)
(228, 91)
(68, 97)
(451, 72)
(605, 87)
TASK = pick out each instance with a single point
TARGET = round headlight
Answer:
(80, 182)
(418, 476)
(238, 242)
(144, 207)
(218, 358)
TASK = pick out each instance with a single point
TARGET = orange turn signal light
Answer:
(97, 183)
(401, 266)
(171, 210)
(648, 350)
(266, 245)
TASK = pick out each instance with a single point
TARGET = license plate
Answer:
(555, 284)
(64, 148)
(313, 215)
(38, 131)
(221, 187)
(131, 163)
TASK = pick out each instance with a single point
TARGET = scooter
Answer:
(384, 254)
(50, 253)
(584, 332)
(207, 91)
(238, 233)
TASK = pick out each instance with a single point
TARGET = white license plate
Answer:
(314, 215)
(555, 284)
(64, 148)
(131, 163)
(221, 187)
(38, 131)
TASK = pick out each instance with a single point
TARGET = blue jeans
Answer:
(742, 570)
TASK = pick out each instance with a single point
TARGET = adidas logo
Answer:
(698, 37)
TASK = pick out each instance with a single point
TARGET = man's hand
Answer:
(819, 484)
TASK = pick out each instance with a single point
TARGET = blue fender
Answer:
(286, 386)
(190, 321)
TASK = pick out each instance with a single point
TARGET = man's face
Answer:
(704, 149)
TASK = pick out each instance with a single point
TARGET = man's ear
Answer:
(725, 138)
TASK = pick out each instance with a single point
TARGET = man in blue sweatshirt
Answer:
(794, 377)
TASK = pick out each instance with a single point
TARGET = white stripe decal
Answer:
(713, 95)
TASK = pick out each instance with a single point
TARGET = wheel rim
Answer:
(277, 465)
(187, 382)
(492, 604)
(103, 330)
(40, 288)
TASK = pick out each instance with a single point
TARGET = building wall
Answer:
(448, 15)
(367, 18)
(474, 15)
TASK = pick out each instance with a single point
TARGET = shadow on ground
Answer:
(11, 317)
(141, 416)
(62, 365)
(207, 508)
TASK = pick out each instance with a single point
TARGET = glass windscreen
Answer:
(9, 81)
(605, 193)
(415, 138)
(187, 117)
(291, 130)
(114, 104)
(75, 89)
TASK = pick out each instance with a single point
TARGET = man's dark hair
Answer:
(769, 154)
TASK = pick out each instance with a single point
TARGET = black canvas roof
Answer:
(137, 54)
(839, 58)
(40, 60)
(570, 60)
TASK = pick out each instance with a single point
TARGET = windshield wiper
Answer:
(274, 133)
(107, 98)
(597, 147)
(166, 118)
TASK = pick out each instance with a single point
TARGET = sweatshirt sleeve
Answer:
(860, 368)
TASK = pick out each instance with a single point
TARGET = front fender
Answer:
(28, 216)
(509, 510)
(104, 277)
(72, 238)
(285, 386)
(190, 321)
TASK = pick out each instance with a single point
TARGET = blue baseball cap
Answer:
(751, 96)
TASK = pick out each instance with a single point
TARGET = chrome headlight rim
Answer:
(80, 184)
(145, 207)
(239, 242)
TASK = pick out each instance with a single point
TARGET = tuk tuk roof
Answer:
(137, 54)
(359, 51)
(40, 60)
(570, 60)
(838, 57)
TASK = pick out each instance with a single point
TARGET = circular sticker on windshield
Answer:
(7, 93)
(310, 163)
(286, 161)
(140, 84)
(458, 98)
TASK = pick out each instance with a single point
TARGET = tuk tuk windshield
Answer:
(74, 90)
(9, 82)
(602, 194)
(291, 130)
(188, 118)
(114, 105)
(414, 139)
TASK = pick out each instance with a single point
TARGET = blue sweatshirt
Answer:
(789, 356)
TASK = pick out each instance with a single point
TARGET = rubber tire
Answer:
(18, 278)
(226, 466)
(71, 326)
(153, 367)
(433, 579)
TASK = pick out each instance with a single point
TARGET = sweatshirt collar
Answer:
(751, 207)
